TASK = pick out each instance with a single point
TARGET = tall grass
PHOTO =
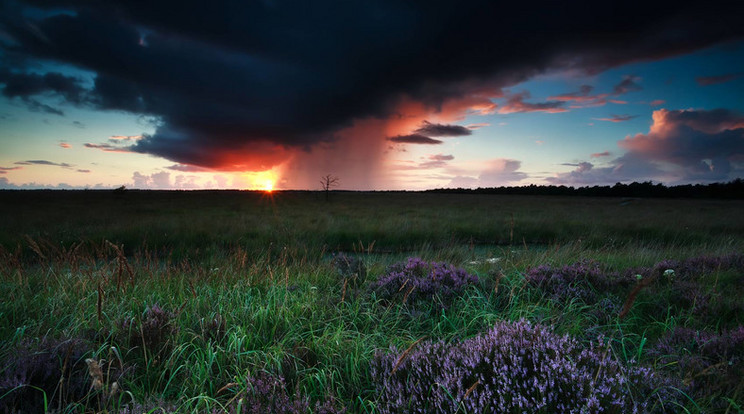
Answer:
(248, 284)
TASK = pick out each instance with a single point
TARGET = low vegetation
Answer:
(146, 302)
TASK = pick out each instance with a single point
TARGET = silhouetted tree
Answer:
(327, 182)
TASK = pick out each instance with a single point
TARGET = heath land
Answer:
(390, 302)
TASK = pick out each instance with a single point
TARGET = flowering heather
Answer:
(151, 407)
(153, 332)
(584, 280)
(515, 367)
(707, 362)
(689, 269)
(420, 281)
(55, 366)
(349, 267)
(267, 393)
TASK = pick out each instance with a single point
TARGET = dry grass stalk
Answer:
(343, 290)
(96, 374)
(405, 354)
(114, 390)
(707, 371)
(633, 295)
(471, 389)
(193, 291)
(497, 282)
(511, 229)
(226, 387)
(34, 246)
(123, 264)
(99, 304)
(408, 293)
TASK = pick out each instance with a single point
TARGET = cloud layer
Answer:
(248, 85)
(681, 146)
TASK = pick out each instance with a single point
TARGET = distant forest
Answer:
(731, 190)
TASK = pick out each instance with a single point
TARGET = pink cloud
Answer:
(160, 180)
(477, 125)
(713, 80)
(187, 168)
(4, 170)
(600, 154)
(699, 144)
(628, 84)
(65, 145)
(584, 98)
(515, 104)
(681, 146)
(125, 137)
(617, 118)
(657, 102)
(106, 147)
(497, 172)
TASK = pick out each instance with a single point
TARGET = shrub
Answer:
(708, 363)
(514, 367)
(417, 281)
(153, 332)
(55, 367)
(582, 280)
(150, 407)
(349, 267)
(267, 393)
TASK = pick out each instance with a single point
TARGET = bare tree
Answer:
(327, 182)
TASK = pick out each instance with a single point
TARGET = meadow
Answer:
(381, 302)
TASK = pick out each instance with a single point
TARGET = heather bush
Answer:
(51, 368)
(149, 407)
(349, 268)
(214, 328)
(267, 393)
(513, 368)
(417, 281)
(689, 269)
(584, 280)
(153, 332)
(708, 363)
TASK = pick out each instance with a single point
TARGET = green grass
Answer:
(262, 265)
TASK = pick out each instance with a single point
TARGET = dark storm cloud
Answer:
(414, 139)
(442, 130)
(26, 85)
(238, 79)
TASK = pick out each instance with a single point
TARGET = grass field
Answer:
(284, 302)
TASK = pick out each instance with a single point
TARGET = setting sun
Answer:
(268, 186)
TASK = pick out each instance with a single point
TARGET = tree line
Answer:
(730, 190)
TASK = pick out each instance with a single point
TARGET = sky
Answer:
(384, 95)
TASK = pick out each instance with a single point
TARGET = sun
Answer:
(268, 186)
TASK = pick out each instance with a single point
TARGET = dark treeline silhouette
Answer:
(731, 190)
